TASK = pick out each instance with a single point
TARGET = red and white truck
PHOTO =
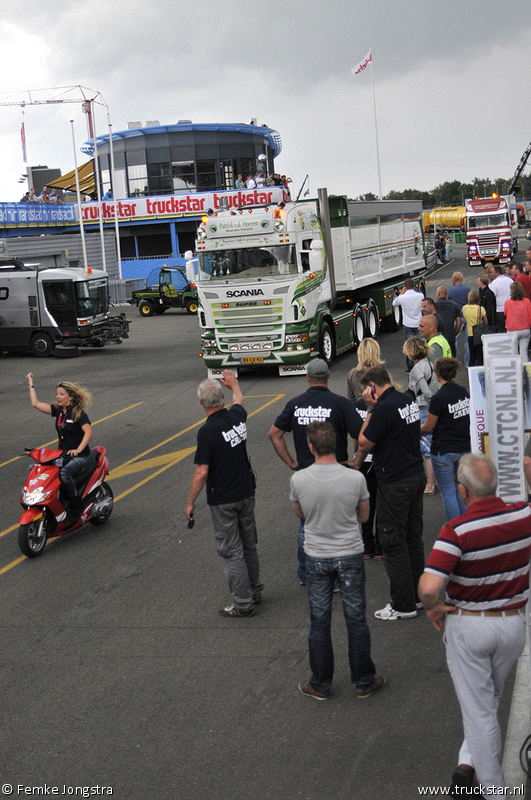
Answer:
(491, 229)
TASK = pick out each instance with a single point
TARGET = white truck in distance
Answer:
(491, 229)
(281, 284)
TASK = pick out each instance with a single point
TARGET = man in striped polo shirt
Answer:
(484, 556)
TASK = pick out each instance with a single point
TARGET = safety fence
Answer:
(121, 291)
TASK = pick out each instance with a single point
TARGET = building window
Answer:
(183, 173)
(138, 179)
(206, 175)
(247, 167)
(227, 168)
(159, 178)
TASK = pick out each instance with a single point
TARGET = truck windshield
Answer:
(488, 221)
(252, 262)
(92, 297)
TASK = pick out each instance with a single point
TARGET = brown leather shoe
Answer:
(377, 683)
(307, 688)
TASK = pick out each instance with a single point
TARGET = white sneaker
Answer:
(389, 613)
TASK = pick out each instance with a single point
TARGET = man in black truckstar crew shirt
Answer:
(223, 464)
(316, 404)
(391, 432)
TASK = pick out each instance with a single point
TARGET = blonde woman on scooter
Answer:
(74, 433)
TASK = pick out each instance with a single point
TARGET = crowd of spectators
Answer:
(46, 196)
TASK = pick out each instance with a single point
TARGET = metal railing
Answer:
(120, 291)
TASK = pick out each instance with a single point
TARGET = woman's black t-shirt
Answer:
(70, 432)
(451, 434)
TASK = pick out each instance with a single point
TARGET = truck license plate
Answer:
(251, 360)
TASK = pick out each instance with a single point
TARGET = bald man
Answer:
(437, 342)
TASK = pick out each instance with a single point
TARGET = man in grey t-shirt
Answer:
(333, 500)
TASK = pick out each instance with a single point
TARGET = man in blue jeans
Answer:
(334, 500)
(316, 404)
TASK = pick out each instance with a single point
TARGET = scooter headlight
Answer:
(34, 497)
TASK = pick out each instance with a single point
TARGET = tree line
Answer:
(454, 193)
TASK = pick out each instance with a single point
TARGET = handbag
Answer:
(479, 330)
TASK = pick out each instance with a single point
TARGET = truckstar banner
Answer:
(132, 208)
(179, 205)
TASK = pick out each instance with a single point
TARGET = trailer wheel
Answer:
(358, 324)
(393, 321)
(372, 320)
(191, 307)
(146, 309)
(327, 348)
(41, 345)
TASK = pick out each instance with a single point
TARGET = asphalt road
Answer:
(116, 668)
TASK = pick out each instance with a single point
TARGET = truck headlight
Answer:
(296, 337)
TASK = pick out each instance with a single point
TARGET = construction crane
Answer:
(518, 177)
(29, 98)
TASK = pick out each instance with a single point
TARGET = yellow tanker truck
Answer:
(449, 217)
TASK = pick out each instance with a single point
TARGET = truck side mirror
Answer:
(316, 256)
(190, 270)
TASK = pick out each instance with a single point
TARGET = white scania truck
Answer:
(281, 284)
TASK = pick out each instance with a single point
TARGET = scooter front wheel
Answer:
(32, 537)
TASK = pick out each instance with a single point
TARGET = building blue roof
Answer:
(274, 137)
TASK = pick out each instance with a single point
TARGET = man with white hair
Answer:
(483, 557)
(223, 464)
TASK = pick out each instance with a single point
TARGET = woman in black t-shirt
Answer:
(449, 422)
(73, 429)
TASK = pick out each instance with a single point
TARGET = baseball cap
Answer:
(318, 369)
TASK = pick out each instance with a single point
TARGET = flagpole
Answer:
(376, 131)
(80, 210)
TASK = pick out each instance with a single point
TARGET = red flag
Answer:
(361, 66)
(23, 139)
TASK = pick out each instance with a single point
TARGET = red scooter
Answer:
(45, 500)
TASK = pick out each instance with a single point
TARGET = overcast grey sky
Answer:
(452, 81)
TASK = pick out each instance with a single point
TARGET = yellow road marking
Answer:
(54, 441)
(127, 468)
(150, 463)
(195, 424)
(13, 564)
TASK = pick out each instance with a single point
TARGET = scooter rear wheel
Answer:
(32, 537)
(104, 492)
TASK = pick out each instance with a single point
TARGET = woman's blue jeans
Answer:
(445, 471)
(68, 471)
